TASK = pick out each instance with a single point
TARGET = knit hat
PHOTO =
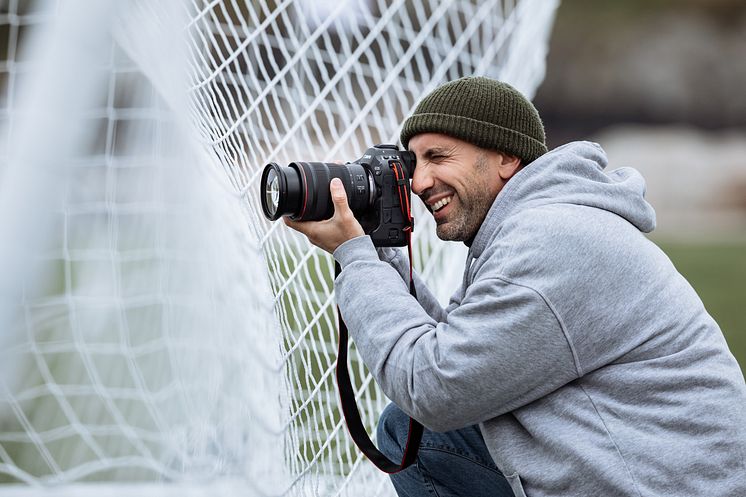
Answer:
(484, 112)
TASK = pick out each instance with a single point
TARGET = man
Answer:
(574, 360)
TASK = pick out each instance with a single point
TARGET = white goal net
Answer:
(157, 334)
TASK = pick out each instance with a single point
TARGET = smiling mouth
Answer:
(440, 204)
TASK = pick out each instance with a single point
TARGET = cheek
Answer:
(476, 188)
(453, 181)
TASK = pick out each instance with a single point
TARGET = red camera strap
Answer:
(347, 393)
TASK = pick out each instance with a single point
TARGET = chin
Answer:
(447, 235)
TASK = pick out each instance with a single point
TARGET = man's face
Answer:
(457, 181)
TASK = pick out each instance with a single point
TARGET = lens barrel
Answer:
(301, 189)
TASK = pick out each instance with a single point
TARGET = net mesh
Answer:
(155, 326)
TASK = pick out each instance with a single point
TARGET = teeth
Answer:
(441, 203)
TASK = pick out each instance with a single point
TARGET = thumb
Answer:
(339, 197)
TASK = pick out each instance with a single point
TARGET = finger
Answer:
(290, 223)
(307, 228)
(339, 197)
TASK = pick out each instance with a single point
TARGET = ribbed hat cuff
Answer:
(482, 134)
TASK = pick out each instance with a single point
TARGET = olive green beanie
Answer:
(482, 111)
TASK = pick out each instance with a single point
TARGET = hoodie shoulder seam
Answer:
(560, 321)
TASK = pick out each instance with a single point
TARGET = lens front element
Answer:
(272, 192)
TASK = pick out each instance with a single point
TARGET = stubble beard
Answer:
(473, 204)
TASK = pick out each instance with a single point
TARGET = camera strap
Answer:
(347, 393)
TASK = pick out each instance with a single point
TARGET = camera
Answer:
(377, 185)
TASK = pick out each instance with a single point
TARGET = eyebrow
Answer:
(430, 152)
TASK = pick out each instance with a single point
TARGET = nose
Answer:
(421, 180)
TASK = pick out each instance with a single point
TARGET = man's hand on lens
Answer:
(333, 232)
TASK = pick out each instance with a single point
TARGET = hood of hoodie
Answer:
(570, 174)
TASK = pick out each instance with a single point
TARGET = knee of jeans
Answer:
(391, 434)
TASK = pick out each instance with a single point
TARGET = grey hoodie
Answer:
(589, 362)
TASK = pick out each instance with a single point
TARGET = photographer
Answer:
(574, 360)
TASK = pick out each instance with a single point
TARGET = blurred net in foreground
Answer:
(154, 327)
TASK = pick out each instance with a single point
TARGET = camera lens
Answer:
(301, 190)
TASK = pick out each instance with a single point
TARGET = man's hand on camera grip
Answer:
(333, 232)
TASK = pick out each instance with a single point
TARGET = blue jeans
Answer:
(451, 464)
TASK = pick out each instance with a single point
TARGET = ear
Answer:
(508, 165)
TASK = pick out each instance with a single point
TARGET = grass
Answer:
(717, 271)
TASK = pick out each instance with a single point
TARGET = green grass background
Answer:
(717, 271)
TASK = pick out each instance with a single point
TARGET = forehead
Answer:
(424, 142)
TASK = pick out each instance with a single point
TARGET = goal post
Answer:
(157, 334)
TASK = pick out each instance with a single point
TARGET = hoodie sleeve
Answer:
(501, 348)
(425, 297)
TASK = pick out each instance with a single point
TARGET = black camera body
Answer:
(385, 221)
(376, 185)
